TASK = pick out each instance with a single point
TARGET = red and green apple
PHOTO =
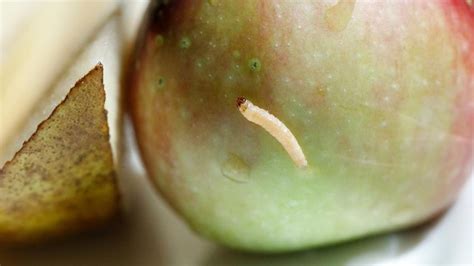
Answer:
(379, 95)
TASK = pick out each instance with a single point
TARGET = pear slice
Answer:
(62, 180)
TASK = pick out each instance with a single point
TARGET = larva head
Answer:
(378, 95)
(240, 101)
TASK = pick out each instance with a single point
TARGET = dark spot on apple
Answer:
(240, 100)
(161, 83)
(185, 43)
(255, 65)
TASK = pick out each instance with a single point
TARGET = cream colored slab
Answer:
(45, 41)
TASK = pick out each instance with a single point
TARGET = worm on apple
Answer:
(275, 127)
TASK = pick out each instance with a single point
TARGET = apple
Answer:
(379, 96)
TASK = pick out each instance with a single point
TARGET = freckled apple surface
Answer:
(378, 95)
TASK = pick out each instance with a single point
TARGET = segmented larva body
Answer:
(275, 127)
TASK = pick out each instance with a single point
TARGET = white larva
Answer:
(275, 127)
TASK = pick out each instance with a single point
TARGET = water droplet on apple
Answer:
(185, 43)
(255, 65)
(235, 169)
(337, 17)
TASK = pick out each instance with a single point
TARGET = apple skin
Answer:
(379, 96)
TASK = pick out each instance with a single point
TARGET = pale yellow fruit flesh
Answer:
(62, 180)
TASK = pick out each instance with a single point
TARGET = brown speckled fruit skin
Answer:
(62, 180)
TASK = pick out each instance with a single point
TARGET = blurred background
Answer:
(51, 44)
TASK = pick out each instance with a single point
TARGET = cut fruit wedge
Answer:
(62, 180)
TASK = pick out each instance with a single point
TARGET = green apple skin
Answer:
(379, 96)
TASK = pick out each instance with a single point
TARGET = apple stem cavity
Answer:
(275, 127)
